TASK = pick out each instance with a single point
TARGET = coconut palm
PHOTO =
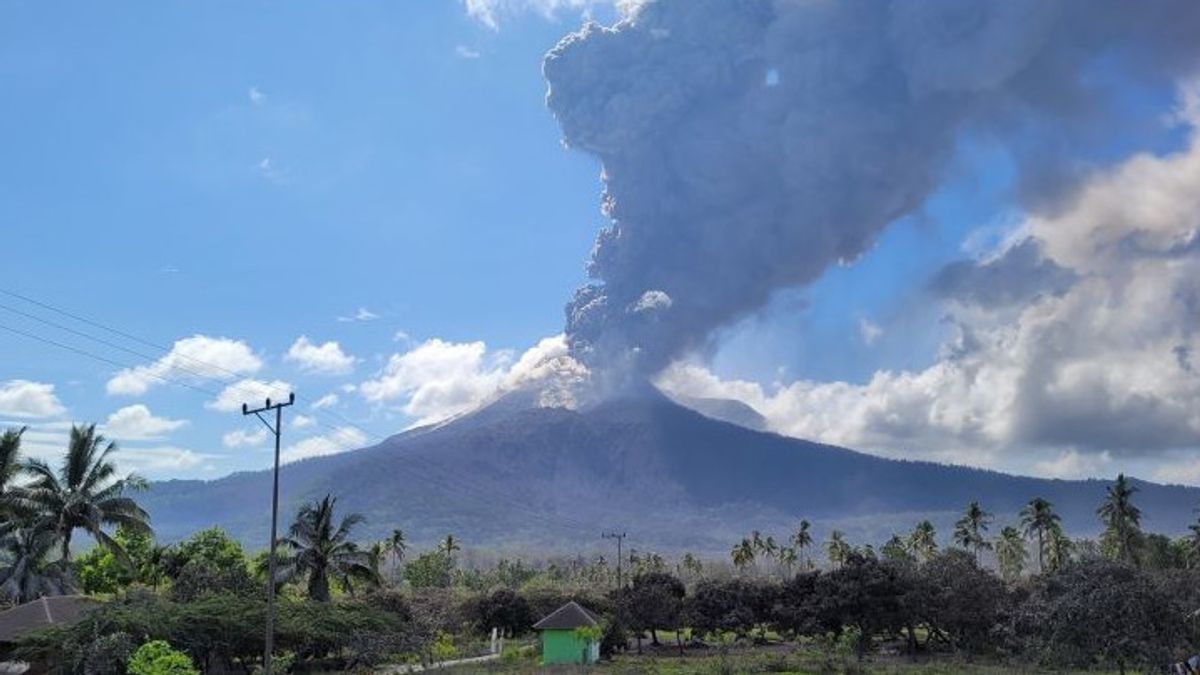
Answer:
(788, 558)
(692, 565)
(319, 549)
(1010, 553)
(1038, 519)
(802, 540)
(1194, 542)
(836, 549)
(742, 554)
(83, 494)
(1058, 548)
(449, 545)
(896, 550)
(27, 573)
(1122, 520)
(396, 545)
(970, 531)
(923, 541)
(10, 466)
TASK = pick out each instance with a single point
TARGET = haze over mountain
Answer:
(514, 475)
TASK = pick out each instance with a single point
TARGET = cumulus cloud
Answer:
(438, 379)
(249, 391)
(191, 359)
(24, 398)
(326, 359)
(343, 439)
(137, 423)
(240, 438)
(167, 460)
(465, 52)
(303, 421)
(1096, 372)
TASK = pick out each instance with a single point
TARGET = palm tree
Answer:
(322, 551)
(756, 541)
(10, 466)
(970, 530)
(1011, 553)
(837, 549)
(742, 554)
(692, 565)
(1038, 519)
(802, 539)
(27, 575)
(396, 545)
(1058, 548)
(923, 541)
(788, 558)
(896, 550)
(84, 493)
(449, 545)
(1122, 520)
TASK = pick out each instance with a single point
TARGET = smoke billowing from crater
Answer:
(748, 145)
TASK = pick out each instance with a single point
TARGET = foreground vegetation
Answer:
(1127, 601)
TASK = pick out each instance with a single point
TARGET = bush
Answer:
(157, 657)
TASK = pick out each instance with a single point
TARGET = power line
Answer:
(431, 470)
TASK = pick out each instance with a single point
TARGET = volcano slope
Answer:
(515, 477)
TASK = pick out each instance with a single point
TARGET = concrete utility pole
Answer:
(276, 430)
(619, 537)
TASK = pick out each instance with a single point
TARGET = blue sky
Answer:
(375, 175)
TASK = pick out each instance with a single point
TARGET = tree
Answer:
(923, 541)
(1122, 522)
(958, 602)
(322, 551)
(10, 466)
(27, 574)
(1193, 541)
(653, 602)
(1010, 553)
(102, 571)
(396, 546)
(429, 570)
(742, 554)
(1058, 548)
(836, 549)
(896, 550)
(802, 540)
(788, 558)
(970, 531)
(449, 545)
(84, 493)
(863, 593)
(692, 565)
(157, 657)
(1038, 519)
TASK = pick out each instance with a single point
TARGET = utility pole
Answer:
(276, 430)
(619, 537)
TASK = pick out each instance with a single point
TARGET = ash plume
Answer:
(747, 145)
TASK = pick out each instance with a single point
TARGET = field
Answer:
(786, 660)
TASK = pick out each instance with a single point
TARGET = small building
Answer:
(19, 621)
(561, 639)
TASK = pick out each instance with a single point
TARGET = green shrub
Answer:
(157, 657)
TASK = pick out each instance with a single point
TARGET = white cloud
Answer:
(191, 359)
(340, 440)
(137, 423)
(363, 314)
(303, 421)
(249, 391)
(1101, 374)
(23, 398)
(165, 460)
(271, 171)
(488, 12)
(240, 438)
(326, 401)
(256, 96)
(439, 379)
(465, 52)
(327, 358)
(869, 330)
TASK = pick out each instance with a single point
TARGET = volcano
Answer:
(516, 477)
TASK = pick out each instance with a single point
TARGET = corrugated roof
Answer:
(569, 616)
(26, 618)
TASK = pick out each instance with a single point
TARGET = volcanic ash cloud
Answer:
(748, 145)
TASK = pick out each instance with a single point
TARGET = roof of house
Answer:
(569, 616)
(26, 618)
